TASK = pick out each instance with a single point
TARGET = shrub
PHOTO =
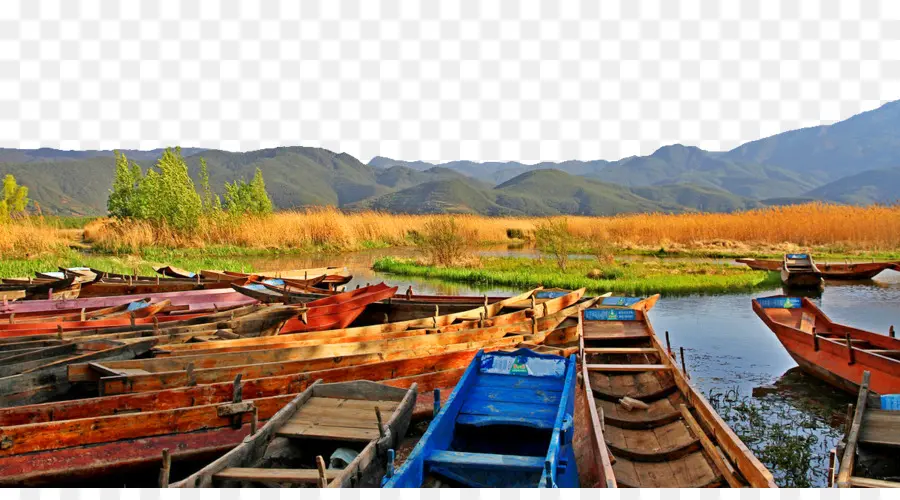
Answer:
(445, 241)
(15, 198)
(552, 236)
(515, 234)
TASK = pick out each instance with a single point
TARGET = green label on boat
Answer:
(519, 366)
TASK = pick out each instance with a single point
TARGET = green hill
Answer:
(871, 186)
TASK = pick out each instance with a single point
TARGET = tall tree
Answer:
(15, 198)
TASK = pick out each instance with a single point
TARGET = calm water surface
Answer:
(729, 353)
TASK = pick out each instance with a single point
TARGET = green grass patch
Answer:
(633, 278)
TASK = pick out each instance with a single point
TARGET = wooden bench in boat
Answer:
(282, 476)
(438, 458)
(331, 418)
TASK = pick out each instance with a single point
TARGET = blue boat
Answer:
(507, 424)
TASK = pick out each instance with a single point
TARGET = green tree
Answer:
(552, 236)
(167, 194)
(211, 202)
(124, 189)
(15, 198)
(250, 198)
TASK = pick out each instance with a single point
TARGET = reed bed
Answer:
(776, 229)
(29, 237)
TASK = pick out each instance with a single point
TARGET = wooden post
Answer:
(254, 421)
(815, 339)
(668, 344)
(237, 395)
(59, 331)
(155, 325)
(380, 425)
(50, 294)
(485, 301)
(533, 302)
(847, 461)
(82, 314)
(191, 381)
(683, 367)
(12, 316)
(165, 469)
(131, 318)
(409, 292)
(390, 465)
(437, 402)
(852, 359)
(892, 333)
(320, 464)
(480, 320)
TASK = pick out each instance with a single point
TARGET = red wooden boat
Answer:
(104, 288)
(830, 271)
(835, 353)
(219, 296)
(337, 311)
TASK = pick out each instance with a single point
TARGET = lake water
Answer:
(730, 355)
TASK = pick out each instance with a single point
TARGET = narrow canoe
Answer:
(508, 423)
(337, 311)
(678, 440)
(835, 353)
(870, 453)
(325, 277)
(114, 288)
(798, 270)
(830, 271)
(220, 296)
(339, 423)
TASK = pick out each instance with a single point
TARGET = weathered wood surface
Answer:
(678, 440)
(825, 355)
(42, 383)
(849, 457)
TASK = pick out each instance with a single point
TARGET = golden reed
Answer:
(814, 224)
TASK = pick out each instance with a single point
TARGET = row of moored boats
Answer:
(291, 378)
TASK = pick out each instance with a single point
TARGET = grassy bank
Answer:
(634, 278)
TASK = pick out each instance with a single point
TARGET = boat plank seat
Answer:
(614, 330)
(625, 367)
(335, 418)
(662, 443)
(500, 399)
(881, 427)
(444, 458)
(690, 471)
(647, 385)
(289, 476)
(660, 412)
(620, 350)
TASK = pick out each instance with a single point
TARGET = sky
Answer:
(491, 80)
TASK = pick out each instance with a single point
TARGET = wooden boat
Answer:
(38, 370)
(508, 423)
(176, 272)
(327, 278)
(483, 316)
(337, 311)
(104, 288)
(340, 422)
(798, 270)
(830, 271)
(61, 288)
(835, 353)
(197, 298)
(93, 438)
(671, 437)
(870, 455)
(219, 365)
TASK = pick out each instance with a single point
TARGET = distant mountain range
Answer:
(855, 161)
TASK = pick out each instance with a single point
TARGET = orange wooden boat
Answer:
(830, 271)
(835, 353)
(644, 424)
(337, 311)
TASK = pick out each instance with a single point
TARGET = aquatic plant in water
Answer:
(792, 444)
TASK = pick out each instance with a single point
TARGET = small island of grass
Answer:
(639, 277)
